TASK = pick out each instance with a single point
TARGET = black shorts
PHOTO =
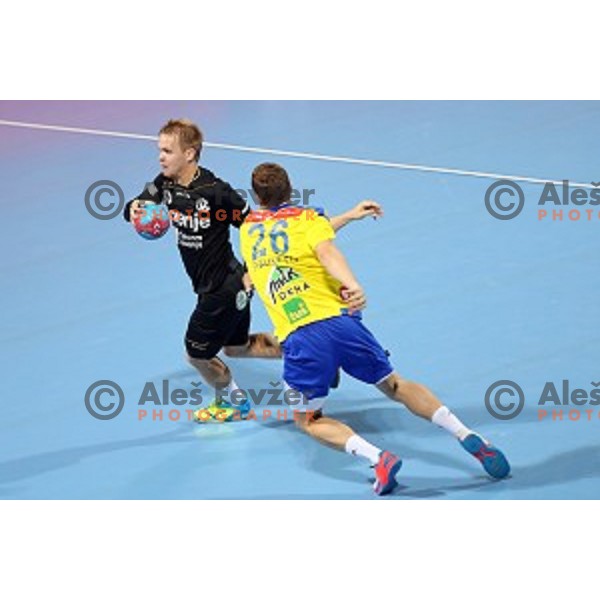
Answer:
(221, 318)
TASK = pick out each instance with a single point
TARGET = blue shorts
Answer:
(312, 355)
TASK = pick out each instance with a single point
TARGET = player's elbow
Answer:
(325, 251)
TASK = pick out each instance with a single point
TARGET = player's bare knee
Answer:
(266, 344)
(307, 420)
(392, 385)
(234, 351)
(399, 389)
(200, 364)
(191, 359)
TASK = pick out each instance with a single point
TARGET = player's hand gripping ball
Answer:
(152, 221)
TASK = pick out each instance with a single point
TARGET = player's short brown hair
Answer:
(271, 184)
(187, 132)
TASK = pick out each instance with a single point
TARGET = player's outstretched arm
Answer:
(336, 265)
(366, 208)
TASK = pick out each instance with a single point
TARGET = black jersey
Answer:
(202, 212)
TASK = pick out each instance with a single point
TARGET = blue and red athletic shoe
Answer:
(492, 459)
(385, 473)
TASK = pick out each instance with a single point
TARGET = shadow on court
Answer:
(27, 467)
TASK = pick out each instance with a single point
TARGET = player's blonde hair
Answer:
(187, 132)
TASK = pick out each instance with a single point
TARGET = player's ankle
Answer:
(358, 446)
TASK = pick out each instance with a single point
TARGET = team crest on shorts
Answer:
(241, 300)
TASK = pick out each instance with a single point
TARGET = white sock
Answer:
(358, 446)
(230, 389)
(443, 418)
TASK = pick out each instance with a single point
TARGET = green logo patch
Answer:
(296, 310)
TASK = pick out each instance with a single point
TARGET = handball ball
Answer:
(153, 222)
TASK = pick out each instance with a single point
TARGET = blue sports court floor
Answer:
(460, 298)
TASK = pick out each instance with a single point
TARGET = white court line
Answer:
(311, 156)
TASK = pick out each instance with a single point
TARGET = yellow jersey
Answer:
(278, 246)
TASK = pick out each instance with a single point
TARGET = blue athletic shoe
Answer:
(492, 459)
(242, 409)
(385, 473)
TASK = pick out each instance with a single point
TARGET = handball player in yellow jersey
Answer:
(315, 304)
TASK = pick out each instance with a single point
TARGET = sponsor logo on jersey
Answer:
(285, 283)
(296, 310)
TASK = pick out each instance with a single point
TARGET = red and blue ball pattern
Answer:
(152, 222)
